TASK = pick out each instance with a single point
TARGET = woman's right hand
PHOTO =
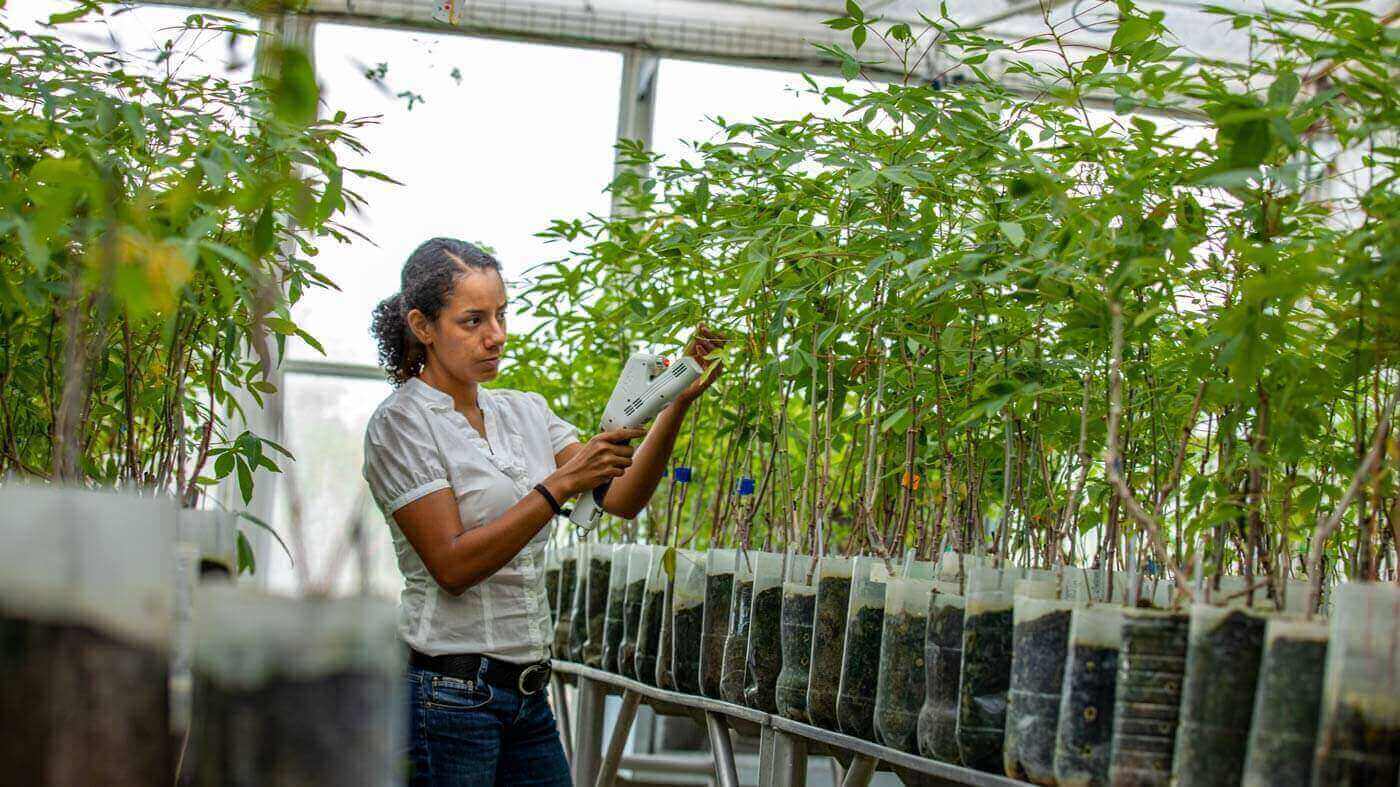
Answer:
(604, 457)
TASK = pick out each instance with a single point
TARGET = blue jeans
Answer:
(467, 733)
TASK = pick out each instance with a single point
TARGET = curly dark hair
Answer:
(428, 278)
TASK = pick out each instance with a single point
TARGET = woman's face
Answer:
(469, 334)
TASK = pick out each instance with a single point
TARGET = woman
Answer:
(468, 478)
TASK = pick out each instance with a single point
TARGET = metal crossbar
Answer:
(784, 744)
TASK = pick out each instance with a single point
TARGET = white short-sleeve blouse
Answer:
(416, 443)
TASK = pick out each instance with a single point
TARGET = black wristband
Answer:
(549, 498)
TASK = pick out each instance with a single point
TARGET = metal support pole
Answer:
(790, 760)
(588, 730)
(607, 773)
(765, 757)
(636, 106)
(722, 749)
(861, 770)
(561, 714)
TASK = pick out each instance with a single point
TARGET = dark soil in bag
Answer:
(828, 639)
(1364, 752)
(687, 627)
(568, 576)
(578, 620)
(665, 654)
(551, 591)
(719, 592)
(860, 673)
(1358, 738)
(1038, 649)
(1086, 715)
(614, 625)
(764, 656)
(986, 677)
(938, 719)
(1217, 700)
(599, 571)
(734, 670)
(791, 690)
(631, 627)
(649, 635)
(1287, 709)
(901, 693)
(79, 707)
(1147, 702)
(323, 730)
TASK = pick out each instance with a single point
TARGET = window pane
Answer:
(324, 429)
(690, 94)
(141, 32)
(524, 138)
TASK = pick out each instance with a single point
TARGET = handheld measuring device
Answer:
(648, 383)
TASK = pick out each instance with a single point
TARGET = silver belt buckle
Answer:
(526, 675)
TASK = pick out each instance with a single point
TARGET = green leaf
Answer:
(331, 199)
(1284, 88)
(858, 36)
(265, 526)
(862, 179)
(131, 116)
(294, 91)
(668, 562)
(1249, 143)
(70, 16)
(898, 176)
(853, 10)
(247, 563)
(245, 480)
(1132, 30)
(1013, 232)
(224, 464)
(263, 231)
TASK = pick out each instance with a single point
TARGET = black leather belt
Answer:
(525, 678)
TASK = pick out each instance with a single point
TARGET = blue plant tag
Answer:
(745, 486)
(682, 474)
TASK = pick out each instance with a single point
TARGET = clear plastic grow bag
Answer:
(1084, 734)
(986, 667)
(938, 718)
(600, 560)
(1287, 704)
(1358, 740)
(734, 667)
(833, 579)
(214, 535)
(86, 611)
(552, 572)
(614, 622)
(568, 584)
(638, 561)
(719, 593)
(1039, 641)
(578, 618)
(1217, 695)
(665, 653)
(900, 691)
(799, 604)
(301, 691)
(763, 657)
(687, 620)
(1147, 700)
(860, 658)
(654, 609)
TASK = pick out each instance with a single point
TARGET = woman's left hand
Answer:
(702, 344)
